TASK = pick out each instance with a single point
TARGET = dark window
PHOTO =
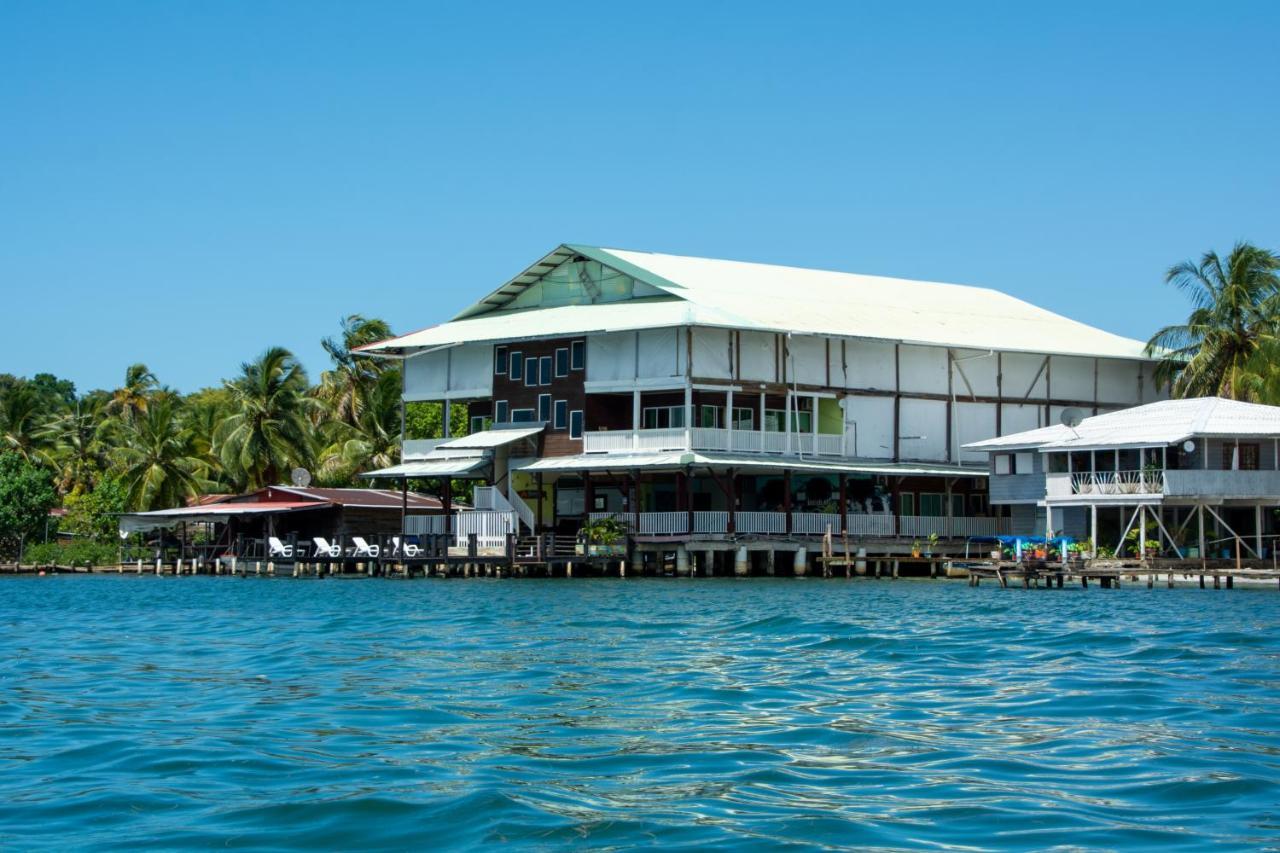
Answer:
(578, 355)
(499, 361)
(516, 366)
(479, 423)
(544, 370)
(500, 412)
(531, 371)
(575, 423)
(562, 362)
(1248, 460)
(906, 504)
(522, 416)
(544, 407)
(562, 414)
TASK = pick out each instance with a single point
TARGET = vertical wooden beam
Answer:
(786, 496)
(732, 525)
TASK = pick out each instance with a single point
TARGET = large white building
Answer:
(718, 398)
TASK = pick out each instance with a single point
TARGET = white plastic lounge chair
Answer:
(409, 549)
(279, 549)
(363, 548)
(324, 549)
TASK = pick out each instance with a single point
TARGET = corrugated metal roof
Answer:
(491, 438)
(456, 466)
(1153, 425)
(766, 297)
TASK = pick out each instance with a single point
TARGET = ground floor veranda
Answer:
(1183, 528)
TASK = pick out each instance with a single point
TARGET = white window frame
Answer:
(560, 414)
(544, 398)
(501, 411)
(578, 354)
(531, 371)
(485, 423)
(558, 372)
(515, 366)
(532, 416)
(579, 415)
(500, 365)
(544, 375)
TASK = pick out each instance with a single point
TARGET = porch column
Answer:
(786, 495)
(444, 416)
(404, 502)
(688, 415)
(728, 417)
(688, 497)
(1203, 553)
(635, 419)
(761, 426)
(732, 526)
(446, 498)
(1093, 528)
(1257, 530)
(786, 417)
(844, 500)
(538, 509)
(588, 495)
(947, 497)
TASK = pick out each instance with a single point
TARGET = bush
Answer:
(81, 553)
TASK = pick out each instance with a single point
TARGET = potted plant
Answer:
(933, 543)
(1151, 548)
(602, 537)
(915, 548)
(1076, 552)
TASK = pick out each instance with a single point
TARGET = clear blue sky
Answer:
(183, 184)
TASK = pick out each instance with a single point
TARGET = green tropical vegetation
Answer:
(1230, 344)
(146, 446)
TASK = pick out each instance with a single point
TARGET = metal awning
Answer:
(674, 461)
(448, 466)
(156, 519)
(490, 438)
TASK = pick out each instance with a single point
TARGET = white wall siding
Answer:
(923, 369)
(1071, 378)
(928, 420)
(611, 357)
(972, 422)
(426, 376)
(1022, 373)
(759, 359)
(807, 364)
(979, 368)
(711, 353)
(1016, 418)
(869, 426)
(660, 353)
(471, 369)
(870, 365)
(1118, 382)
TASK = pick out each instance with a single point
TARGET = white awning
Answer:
(491, 438)
(675, 461)
(156, 519)
(449, 466)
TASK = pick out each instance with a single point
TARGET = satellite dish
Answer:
(300, 477)
(1071, 418)
(1189, 446)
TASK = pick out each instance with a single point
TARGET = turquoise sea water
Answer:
(249, 713)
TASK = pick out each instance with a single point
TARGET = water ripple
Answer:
(260, 714)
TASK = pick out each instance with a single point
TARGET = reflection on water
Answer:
(372, 714)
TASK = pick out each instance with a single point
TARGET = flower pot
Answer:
(915, 552)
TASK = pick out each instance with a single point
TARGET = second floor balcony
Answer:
(726, 440)
(1117, 486)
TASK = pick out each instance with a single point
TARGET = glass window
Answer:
(499, 361)
(531, 371)
(578, 355)
(544, 407)
(1245, 460)
(515, 370)
(906, 504)
(562, 362)
(662, 417)
(774, 419)
(709, 417)
(562, 414)
(575, 423)
(743, 418)
(931, 504)
(1004, 463)
(544, 370)
(522, 416)
(480, 423)
(957, 506)
(500, 412)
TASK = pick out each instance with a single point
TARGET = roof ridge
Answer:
(1202, 419)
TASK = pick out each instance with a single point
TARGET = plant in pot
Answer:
(602, 537)
(1076, 551)
(915, 548)
(933, 543)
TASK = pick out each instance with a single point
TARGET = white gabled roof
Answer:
(490, 438)
(766, 297)
(1153, 425)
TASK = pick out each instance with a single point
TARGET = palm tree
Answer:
(75, 445)
(133, 396)
(21, 419)
(345, 388)
(267, 430)
(1236, 312)
(157, 463)
(374, 442)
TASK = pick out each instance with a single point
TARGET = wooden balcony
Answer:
(722, 440)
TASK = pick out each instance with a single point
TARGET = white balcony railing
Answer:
(663, 523)
(713, 522)
(760, 522)
(703, 438)
(815, 523)
(1117, 483)
(862, 524)
(710, 522)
